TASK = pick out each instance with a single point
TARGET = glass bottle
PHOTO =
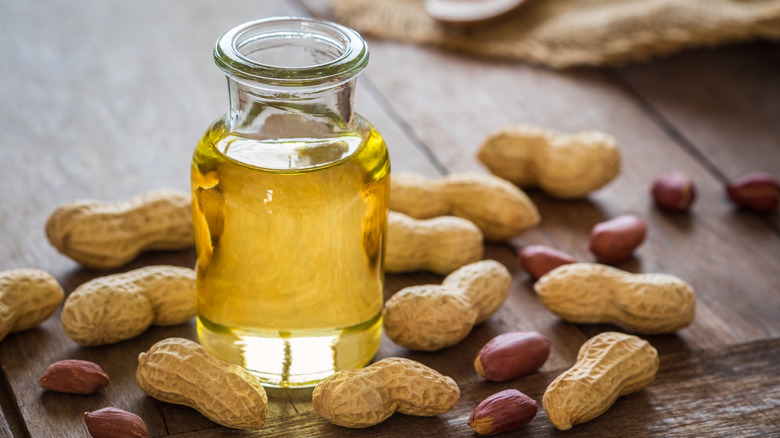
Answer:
(290, 197)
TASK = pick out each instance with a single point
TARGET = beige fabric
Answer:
(565, 33)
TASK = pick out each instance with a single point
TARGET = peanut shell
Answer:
(565, 166)
(440, 245)
(432, 317)
(106, 235)
(589, 293)
(116, 307)
(180, 371)
(608, 365)
(27, 298)
(365, 397)
(497, 207)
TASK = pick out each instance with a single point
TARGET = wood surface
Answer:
(102, 99)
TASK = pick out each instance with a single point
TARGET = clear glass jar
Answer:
(290, 197)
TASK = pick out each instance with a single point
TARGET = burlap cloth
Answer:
(566, 33)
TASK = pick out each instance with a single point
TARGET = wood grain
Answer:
(106, 99)
(725, 103)
(692, 393)
(722, 106)
(719, 250)
(121, 116)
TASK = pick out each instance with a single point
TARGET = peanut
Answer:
(74, 377)
(564, 166)
(503, 411)
(591, 293)
(441, 245)
(115, 423)
(27, 298)
(121, 306)
(497, 207)
(538, 260)
(608, 365)
(512, 355)
(615, 240)
(759, 192)
(673, 192)
(365, 397)
(106, 235)
(432, 317)
(180, 371)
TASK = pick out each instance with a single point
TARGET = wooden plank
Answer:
(406, 154)
(725, 102)
(694, 394)
(722, 104)
(11, 423)
(105, 108)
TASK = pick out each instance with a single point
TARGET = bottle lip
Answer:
(350, 58)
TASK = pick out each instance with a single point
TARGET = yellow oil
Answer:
(290, 244)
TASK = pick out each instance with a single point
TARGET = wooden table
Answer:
(105, 99)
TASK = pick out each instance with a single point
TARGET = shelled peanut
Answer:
(538, 260)
(589, 293)
(608, 365)
(673, 192)
(432, 317)
(105, 235)
(512, 355)
(441, 245)
(180, 371)
(614, 240)
(564, 166)
(503, 411)
(497, 207)
(758, 192)
(113, 422)
(365, 397)
(27, 298)
(74, 376)
(121, 306)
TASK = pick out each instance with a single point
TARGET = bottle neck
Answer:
(262, 111)
(291, 77)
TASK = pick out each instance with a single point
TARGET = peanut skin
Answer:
(432, 317)
(538, 260)
(615, 240)
(759, 192)
(106, 235)
(497, 207)
(674, 192)
(501, 412)
(365, 397)
(74, 377)
(608, 365)
(115, 423)
(440, 245)
(565, 166)
(588, 293)
(512, 355)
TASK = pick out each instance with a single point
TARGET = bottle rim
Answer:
(350, 51)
